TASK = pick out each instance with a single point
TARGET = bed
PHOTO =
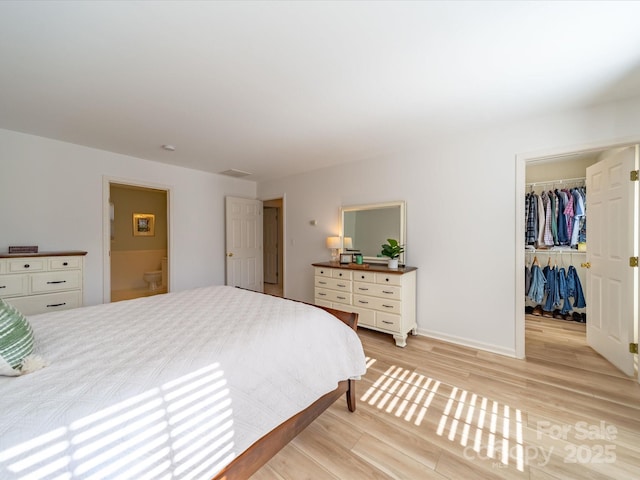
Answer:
(205, 383)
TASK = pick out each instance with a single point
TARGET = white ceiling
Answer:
(276, 88)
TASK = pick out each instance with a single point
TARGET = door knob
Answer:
(585, 265)
(230, 254)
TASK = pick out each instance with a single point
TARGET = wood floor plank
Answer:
(443, 411)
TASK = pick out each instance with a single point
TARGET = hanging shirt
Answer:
(569, 214)
(562, 219)
(531, 229)
(578, 203)
(548, 236)
(554, 216)
(540, 236)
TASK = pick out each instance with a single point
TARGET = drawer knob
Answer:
(26, 265)
(56, 281)
(387, 322)
(3, 286)
(64, 264)
(56, 304)
(387, 292)
(387, 306)
(341, 298)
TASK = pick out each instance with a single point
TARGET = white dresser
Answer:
(42, 282)
(384, 299)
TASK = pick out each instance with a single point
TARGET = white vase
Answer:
(393, 263)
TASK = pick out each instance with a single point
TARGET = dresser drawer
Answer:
(64, 263)
(55, 281)
(388, 321)
(333, 296)
(366, 317)
(342, 274)
(46, 303)
(384, 291)
(323, 272)
(381, 304)
(364, 277)
(3, 266)
(323, 303)
(11, 285)
(386, 279)
(26, 265)
(333, 283)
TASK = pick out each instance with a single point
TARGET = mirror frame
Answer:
(376, 206)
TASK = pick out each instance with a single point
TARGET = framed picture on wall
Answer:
(144, 224)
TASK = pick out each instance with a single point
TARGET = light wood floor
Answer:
(437, 410)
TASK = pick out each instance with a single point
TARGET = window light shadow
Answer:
(485, 428)
(183, 429)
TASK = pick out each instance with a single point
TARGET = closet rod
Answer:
(552, 252)
(558, 182)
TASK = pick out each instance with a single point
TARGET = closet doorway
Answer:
(603, 293)
(136, 257)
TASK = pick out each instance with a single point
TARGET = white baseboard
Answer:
(468, 343)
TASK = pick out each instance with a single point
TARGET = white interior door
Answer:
(611, 230)
(244, 243)
(271, 245)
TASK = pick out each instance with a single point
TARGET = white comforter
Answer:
(166, 387)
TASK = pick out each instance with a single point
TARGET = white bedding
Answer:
(171, 386)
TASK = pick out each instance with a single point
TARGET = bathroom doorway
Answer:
(138, 241)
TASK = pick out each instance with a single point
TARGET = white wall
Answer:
(51, 196)
(461, 216)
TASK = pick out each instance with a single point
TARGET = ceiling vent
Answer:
(235, 173)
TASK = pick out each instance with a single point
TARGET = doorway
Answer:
(137, 250)
(555, 169)
(273, 247)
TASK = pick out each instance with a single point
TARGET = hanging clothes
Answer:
(574, 288)
(548, 236)
(541, 218)
(536, 291)
(566, 305)
(563, 239)
(554, 216)
(551, 289)
(531, 231)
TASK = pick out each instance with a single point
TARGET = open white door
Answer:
(611, 231)
(244, 243)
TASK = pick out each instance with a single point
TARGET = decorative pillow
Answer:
(16, 343)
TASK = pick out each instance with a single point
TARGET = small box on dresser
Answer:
(42, 282)
(383, 298)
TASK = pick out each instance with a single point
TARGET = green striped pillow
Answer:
(16, 339)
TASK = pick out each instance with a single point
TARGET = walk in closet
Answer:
(556, 237)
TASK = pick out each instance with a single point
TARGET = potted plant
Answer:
(392, 249)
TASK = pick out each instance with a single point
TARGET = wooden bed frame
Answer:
(247, 463)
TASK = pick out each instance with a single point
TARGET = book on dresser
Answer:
(383, 298)
(42, 282)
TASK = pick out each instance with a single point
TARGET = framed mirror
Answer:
(366, 227)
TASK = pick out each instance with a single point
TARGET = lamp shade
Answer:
(333, 242)
(348, 242)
